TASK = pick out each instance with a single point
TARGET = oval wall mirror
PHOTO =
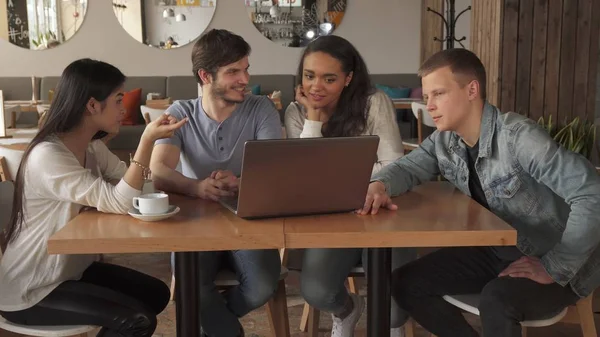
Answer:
(294, 23)
(40, 24)
(164, 24)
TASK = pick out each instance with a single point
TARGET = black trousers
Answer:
(504, 302)
(124, 302)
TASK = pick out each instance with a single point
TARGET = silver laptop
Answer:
(304, 176)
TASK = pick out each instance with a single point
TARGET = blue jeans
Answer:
(324, 271)
(258, 274)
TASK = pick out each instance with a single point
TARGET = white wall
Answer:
(387, 33)
(159, 29)
(463, 25)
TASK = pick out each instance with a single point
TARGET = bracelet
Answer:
(145, 170)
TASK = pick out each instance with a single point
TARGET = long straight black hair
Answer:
(80, 81)
(351, 113)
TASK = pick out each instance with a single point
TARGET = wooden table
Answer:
(432, 215)
(199, 226)
(22, 106)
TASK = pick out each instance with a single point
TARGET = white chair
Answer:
(6, 200)
(151, 114)
(420, 112)
(580, 313)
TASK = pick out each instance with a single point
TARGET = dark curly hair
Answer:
(350, 116)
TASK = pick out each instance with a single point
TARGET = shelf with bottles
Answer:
(281, 33)
(282, 19)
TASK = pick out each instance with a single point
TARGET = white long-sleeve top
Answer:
(55, 190)
(381, 121)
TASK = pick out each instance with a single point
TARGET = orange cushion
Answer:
(131, 102)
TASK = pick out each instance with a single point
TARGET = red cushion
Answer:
(131, 102)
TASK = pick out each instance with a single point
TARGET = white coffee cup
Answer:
(152, 203)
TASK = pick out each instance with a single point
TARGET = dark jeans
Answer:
(258, 274)
(122, 301)
(418, 287)
(325, 270)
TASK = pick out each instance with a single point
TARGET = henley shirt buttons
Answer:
(222, 148)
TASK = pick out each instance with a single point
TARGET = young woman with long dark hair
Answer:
(335, 98)
(65, 168)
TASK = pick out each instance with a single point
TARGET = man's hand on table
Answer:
(376, 198)
(219, 184)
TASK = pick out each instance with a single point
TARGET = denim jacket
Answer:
(549, 194)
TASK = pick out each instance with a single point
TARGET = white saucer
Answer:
(154, 217)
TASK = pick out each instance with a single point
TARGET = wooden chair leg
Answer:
(308, 324)
(278, 313)
(409, 328)
(304, 319)
(283, 254)
(586, 317)
(172, 288)
(352, 285)
(523, 331)
(310, 320)
(314, 316)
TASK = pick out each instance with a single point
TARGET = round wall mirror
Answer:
(294, 23)
(40, 24)
(164, 24)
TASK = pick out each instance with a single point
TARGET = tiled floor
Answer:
(256, 323)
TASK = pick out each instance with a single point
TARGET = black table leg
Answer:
(378, 292)
(187, 294)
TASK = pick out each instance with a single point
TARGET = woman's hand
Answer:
(163, 127)
(312, 113)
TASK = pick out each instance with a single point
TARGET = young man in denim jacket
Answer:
(511, 166)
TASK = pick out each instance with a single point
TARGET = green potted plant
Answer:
(576, 135)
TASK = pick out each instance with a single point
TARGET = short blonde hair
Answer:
(463, 63)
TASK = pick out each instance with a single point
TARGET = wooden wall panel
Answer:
(547, 55)
(593, 61)
(582, 59)
(509, 55)
(431, 26)
(553, 59)
(524, 44)
(538, 59)
(486, 21)
(567, 59)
